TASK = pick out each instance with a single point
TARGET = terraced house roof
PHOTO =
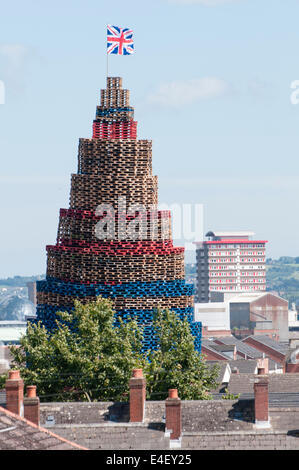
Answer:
(17, 433)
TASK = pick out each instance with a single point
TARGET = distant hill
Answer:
(282, 276)
(20, 281)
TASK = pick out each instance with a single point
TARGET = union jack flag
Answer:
(119, 40)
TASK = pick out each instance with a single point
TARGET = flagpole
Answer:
(107, 53)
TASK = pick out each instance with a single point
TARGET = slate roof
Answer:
(241, 347)
(244, 366)
(276, 400)
(267, 341)
(278, 383)
(210, 345)
(223, 347)
(17, 433)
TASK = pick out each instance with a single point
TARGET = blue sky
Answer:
(210, 82)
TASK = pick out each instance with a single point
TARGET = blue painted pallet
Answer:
(131, 289)
(47, 314)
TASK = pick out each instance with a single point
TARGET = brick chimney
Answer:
(14, 387)
(261, 401)
(173, 412)
(32, 405)
(292, 368)
(137, 396)
(263, 363)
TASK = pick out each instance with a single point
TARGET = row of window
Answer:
(235, 274)
(227, 267)
(258, 273)
(233, 288)
(242, 246)
(245, 281)
(225, 274)
(234, 253)
(231, 260)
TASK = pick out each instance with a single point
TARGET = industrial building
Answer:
(245, 314)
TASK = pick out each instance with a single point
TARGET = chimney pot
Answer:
(31, 391)
(137, 373)
(14, 374)
(172, 393)
(14, 387)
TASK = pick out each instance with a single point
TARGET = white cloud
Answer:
(179, 93)
(13, 54)
(14, 59)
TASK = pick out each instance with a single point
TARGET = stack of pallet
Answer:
(113, 241)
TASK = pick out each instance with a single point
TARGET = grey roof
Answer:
(210, 345)
(278, 383)
(267, 341)
(223, 347)
(284, 399)
(276, 400)
(19, 434)
(244, 366)
(244, 348)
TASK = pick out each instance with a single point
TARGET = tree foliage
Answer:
(175, 363)
(86, 357)
(89, 357)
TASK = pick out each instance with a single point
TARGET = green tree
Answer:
(86, 357)
(175, 363)
(229, 396)
(89, 357)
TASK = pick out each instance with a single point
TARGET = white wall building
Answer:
(293, 317)
(213, 315)
(11, 331)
